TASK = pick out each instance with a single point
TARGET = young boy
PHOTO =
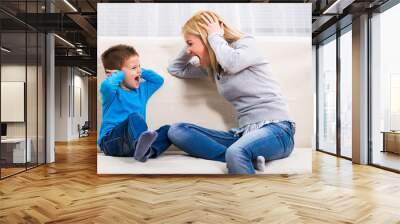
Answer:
(124, 95)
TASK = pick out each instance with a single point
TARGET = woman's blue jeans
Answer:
(272, 141)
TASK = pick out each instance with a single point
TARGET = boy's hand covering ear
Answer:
(110, 72)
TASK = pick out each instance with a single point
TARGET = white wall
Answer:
(79, 117)
(16, 72)
(68, 82)
(61, 103)
(34, 125)
(197, 101)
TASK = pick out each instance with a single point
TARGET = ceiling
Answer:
(76, 21)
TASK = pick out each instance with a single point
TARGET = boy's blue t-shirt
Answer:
(118, 104)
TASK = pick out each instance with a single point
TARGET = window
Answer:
(22, 76)
(346, 93)
(327, 96)
(385, 88)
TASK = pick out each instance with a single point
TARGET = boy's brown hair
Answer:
(114, 57)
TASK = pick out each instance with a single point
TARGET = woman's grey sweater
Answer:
(245, 81)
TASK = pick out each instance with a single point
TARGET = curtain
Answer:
(166, 19)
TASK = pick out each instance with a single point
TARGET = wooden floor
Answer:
(10, 171)
(70, 191)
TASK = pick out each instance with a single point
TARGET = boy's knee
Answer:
(135, 117)
(164, 128)
(163, 131)
(136, 125)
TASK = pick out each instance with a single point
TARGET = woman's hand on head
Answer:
(211, 23)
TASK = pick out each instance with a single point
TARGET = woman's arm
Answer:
(234, 60)
(183, 67)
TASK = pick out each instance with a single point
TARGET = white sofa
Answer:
(197, 101)
(174, 162)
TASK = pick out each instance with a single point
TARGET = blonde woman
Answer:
(241, 74)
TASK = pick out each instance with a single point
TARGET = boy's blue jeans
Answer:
(273, 141)
(121, 141)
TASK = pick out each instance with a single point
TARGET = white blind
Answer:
(166, 19)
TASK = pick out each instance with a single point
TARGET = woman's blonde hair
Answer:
(192, 27)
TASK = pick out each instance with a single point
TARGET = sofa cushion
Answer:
(300, 161)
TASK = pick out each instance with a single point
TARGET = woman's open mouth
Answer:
(199, 59)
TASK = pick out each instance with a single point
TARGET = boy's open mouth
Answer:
(137, 78)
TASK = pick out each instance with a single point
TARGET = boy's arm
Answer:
(184, 67)
(153, 81)
(109, 86)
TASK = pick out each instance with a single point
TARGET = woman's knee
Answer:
(176, 130)
(235, 154)
(238, 161)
